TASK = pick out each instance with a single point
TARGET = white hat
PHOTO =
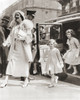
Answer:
(53, 41)
(19, 11)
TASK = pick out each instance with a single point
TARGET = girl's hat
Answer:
(53, 41)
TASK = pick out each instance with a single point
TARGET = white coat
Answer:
(18, 65)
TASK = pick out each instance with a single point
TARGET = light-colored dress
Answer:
(18, 65)
(72, 56)
(54, 63)
(43, 59)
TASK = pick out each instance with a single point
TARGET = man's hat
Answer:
(7, 18)
(32, 13)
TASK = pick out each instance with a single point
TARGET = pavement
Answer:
(38, 89)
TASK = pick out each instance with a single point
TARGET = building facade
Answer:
(70, 6)
(45, 9)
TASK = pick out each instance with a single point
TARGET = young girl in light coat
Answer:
(54, 63)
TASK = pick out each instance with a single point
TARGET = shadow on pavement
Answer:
(73, 80)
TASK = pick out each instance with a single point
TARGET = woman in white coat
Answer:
(18, 65)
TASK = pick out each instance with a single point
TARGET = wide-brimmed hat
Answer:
(20, 12)
(7, 18)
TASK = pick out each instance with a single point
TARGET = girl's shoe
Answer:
(56, 79)
(75, 70)
(51, 85)
(74, 73)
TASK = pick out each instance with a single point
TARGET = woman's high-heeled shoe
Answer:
(74, 73)
(3, 85)
(25, 84)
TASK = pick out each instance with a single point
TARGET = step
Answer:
(76, 76)
(73, 79)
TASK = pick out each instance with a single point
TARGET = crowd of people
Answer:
(18, 51)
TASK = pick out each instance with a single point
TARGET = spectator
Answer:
(4, 32)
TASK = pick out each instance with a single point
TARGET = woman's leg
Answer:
(26, 81)
(35, 68)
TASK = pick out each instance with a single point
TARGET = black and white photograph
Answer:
(39, 49)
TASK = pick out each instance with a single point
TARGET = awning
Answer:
(64, 19)
(56, 23)
(68, 20)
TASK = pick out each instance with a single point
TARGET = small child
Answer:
(54, 63)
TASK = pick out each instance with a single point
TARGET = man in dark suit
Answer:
(4, 32)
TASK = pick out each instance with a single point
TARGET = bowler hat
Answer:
(7, 18)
